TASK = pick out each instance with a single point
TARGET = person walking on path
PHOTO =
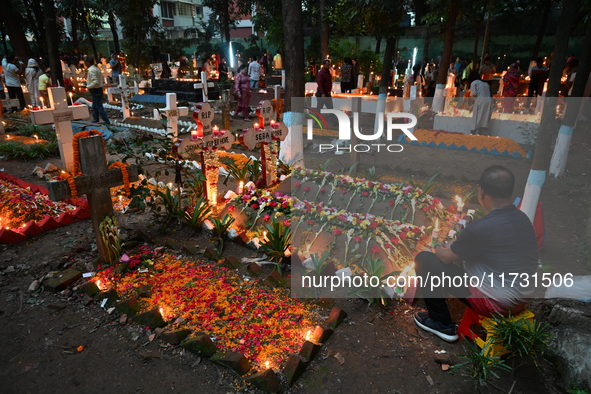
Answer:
(12, 72)
(242, 93)
(94, 84)
(32, 74)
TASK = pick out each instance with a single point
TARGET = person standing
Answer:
(482, 105)
(538, 75)
(264, 63)
(12, 72)
(254, 72)
(242, 93)
(510, 87)
(324, 89)
(115, 68)
(44, 83)
(223, 70)
(94, 84)
(32, 74)
(278, 62)
(346, 75)
(355, 74)
(487, 71)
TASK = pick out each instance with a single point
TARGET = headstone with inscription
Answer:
(172, 113)
(62, 115)
(96, 183)
(266, 133)
(125, 92)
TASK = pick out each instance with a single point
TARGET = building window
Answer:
(184, 9)
(199, 11)
(167, 10)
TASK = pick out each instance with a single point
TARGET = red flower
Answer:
(391, 202)
(388, 246)
(286, 223)
(307, 189)
(370, 184)
(311, 222)
(373, 224)
(231, 208)
(255, 206)
(337, 231)
(344, 191)
(323, 190)
(375, 248)
(273, 204)
(297, 185)
(365, 194)
(266, 218)
(357, 239)
(402, 235)
(394, 240)
(416, 230)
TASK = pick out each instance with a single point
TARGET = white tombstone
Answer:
(62, 115)
(6, 103)
(172, 113)
(283, 79)
(360, 83)
(204, 86)
(124, 91)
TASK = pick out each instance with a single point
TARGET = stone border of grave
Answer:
(32, 228)
(201, 344)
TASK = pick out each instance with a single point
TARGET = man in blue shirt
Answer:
(490, 253)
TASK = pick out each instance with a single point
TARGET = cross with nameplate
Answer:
(206, 140)
(266, 133)
(204, 86)
(6, 103)
(124, 91)
(172, 113)
(62, 115)
(96, 183)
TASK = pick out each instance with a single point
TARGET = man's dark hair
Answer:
(325, 61)
(10, 57)
(497, 182)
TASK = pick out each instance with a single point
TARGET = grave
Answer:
(172, 114)
(62, 115)
(204, 86)
(6, 103)
(124, 91)
(266, 133)
(96, 184)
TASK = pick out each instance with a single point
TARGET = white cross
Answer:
(172, 113)
(124, 91)
(7, 103)
(204, 85)
(62, 115)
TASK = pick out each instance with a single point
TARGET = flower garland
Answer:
(71, 182)
(125, 174)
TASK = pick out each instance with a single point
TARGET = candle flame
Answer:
(308, 334)
(267, 364)
(458, 199)
(99, 285)
(436, 224)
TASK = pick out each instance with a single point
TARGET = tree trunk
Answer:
(52, 40)
(378, 44)
(450, 31)
(74, 22)
(91, 40)
(292, 148)
(541, 160)
(427, 44)
(4, 45)
(114, 31)
(486, 32)
(36, 23)
(14, 27)
(138, 42)
(542, 30)
(387, 65)
(560, 155)
(226, 21)
(476, 39)
(323, 30)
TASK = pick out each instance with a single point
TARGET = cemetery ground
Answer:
(377, 349)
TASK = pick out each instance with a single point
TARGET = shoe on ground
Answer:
(247, 120)
(447, 333)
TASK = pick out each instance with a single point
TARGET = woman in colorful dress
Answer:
(242, 93)
(510, 87)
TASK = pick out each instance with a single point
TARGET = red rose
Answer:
(311, 222)
(273, 204)
(373, 224)
(365, 194)
(337, 231)
(323, 190)
(255, 206)
(357, 239)
(307, 189)
(391, 202)
(375, 248)
(402, 235)
(394, 240)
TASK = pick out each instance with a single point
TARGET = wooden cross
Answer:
(206, 140)
(172, 113)
(124, 91)
(8, 103)
(204, 85)
(96, 183)
(62, 115)
(266, 131)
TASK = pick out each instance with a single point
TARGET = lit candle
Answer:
(241, 187)
(216, 131)
(267, 364)
(36, 137)
(42, 103)
(275, 125)
(71, 99)
(214, 199)
(308, 335)
(194, 135)
(257, 127)
(460, 204)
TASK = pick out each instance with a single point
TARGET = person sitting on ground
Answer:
(496, 247)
